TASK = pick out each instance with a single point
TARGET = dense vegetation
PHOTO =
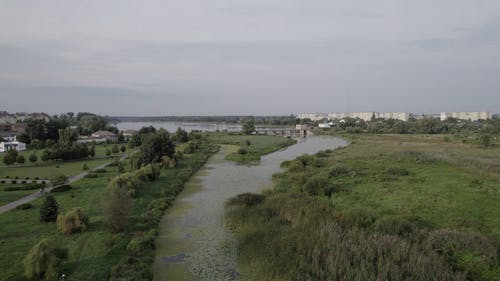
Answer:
(385, 208)
(103, 240)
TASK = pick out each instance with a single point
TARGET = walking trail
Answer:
(38, 194)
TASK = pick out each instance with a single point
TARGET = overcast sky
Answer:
(204, 57)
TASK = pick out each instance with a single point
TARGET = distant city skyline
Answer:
(222, 57)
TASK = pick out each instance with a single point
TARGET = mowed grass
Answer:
(9, 196)
(259, 145)
(53, 168)
(94, 252)
(453, 185)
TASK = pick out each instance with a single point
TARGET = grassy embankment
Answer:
(92, 253)
(45, 170)
(252, 147)
(387, 207)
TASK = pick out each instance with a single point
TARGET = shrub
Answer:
(91, 175)
(394, 225)
(242, 151)
(73, 221)
(13, 181)
(360, 217)
(24, 206)
(108, 152)
(117, 207)
(168, 162)
(142, 242)
(59, 179)
(44, 261)
(123, 148)
(49, 209)
(339, 171)
(115, 149)
(23, 182)
(85, 167)
(397, 171)
(31, 186)
(33, 158)
(100, 171)
(2, 181)
(62, 188)
(318, 185)
(247, 199)
(20, 159)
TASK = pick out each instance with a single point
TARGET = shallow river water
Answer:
(193, 243)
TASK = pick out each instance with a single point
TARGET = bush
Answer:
(247, 199)
(59, 179)
(33, 158)
(73, 221)
(359, 217)
(32, 186)
(318, 185)
(24, 206)
(123, 148)
(115, 149)
(118, 204)
(49, 209)
(44, 261)
(85, 167)
(394, 225)
(339, 171)
(91, 175)
(100, 171)
(20, 159)
(142, 242)
(397, 171)
(62, 188)
(13, 181)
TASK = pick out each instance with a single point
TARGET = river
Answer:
(190, 126)
(193, 243)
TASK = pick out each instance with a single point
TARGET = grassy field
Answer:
(52, 168)
(258, 145)
(9, 196)
(94, 252)
(435, 199)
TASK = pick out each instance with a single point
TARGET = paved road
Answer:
(36, 195)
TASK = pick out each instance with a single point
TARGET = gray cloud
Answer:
(240, 57)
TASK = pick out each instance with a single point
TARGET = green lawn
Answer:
(94, 252)
(52, 168)
(9, 196)
(259, 145)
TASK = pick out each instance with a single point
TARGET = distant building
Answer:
(99, 136)
(325, 125)
(129, 133)
(15, 145)
(472, 116)
(366, 116)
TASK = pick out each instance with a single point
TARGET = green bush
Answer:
(142, 242)
(73, 221)
(31, 186)
(59, 179)
(24, 206)
(247, 199)
(397, 171)
(91, 175)
(319, 185)
(62, 188)
(337, 171)
(394, 225)
(118, 205)
(49, 209)
(44, 261)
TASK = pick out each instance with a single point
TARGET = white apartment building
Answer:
(472, 116)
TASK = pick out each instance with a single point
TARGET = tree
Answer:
(155, 146)
(92, 151)
(10, 157)
(117, 206)
(44, 260)
(49, 209)
(108, 152)
(20, 159)
(33, 157)
(123, 148)
(181, 135)
(248, 126)
(115, 149)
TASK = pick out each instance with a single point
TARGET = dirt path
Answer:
(38, 194)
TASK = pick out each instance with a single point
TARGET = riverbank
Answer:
(193, 243)
(93, 253)
(367, 211)
(251, 147)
